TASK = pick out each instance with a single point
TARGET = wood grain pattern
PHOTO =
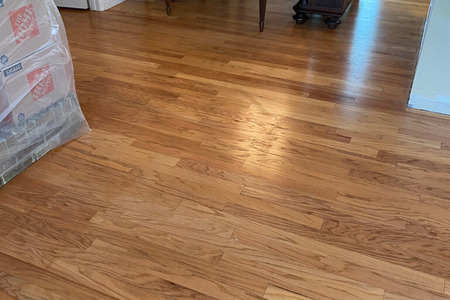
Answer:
(4, 296)
(228, 164)
(275, 293)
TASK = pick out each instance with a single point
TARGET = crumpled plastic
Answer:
(39, 108)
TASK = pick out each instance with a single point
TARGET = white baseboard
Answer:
(81, 4)
(102, 5)
(439, 104)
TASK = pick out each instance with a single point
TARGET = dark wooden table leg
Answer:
(168, 7)
(262, 14)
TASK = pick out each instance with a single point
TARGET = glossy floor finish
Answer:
(229, 164)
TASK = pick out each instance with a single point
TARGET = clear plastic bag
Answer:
(39, 109)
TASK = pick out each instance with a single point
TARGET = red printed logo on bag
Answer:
(41, 82)
(24, 23)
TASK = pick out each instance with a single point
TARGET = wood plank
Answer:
(391, 296)
(228, 164)
(26, 281)
(357, 267)
(276, 293)
(255, 233)
(151, 263)
(309, 281)
(4, 296)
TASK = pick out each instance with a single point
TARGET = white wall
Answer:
(431, 87)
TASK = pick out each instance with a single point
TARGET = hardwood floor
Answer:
(225, 163)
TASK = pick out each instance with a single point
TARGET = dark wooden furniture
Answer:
(333, 9)
(262, 12)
